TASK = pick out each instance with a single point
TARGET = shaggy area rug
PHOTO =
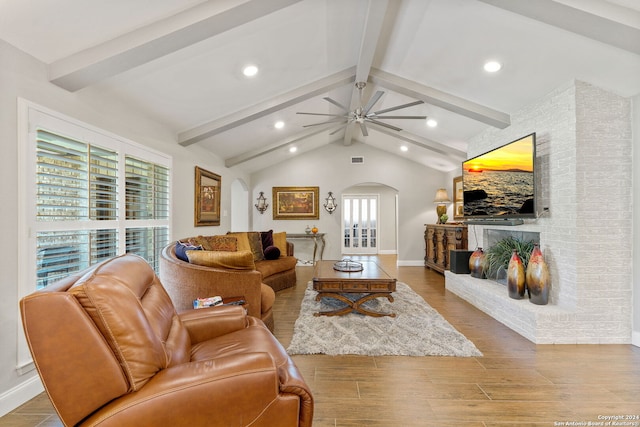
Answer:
(417, 329)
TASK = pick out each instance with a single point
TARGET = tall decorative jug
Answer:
(516, 276)
(538, 279)
(476, 264)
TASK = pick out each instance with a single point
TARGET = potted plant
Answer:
(499, 255)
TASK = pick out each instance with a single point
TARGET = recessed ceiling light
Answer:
(250, 70)
(293, 149)
(279, 124)
(492, 66)
(432, 123)
(404, 148)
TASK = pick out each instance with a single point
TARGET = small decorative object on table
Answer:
(441, 200)
(314, 230)
(307, 230)
(444, 218)
(347, 265)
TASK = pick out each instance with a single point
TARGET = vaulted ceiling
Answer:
(181, 61)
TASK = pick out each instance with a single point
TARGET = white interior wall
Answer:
(330, 168)
(636, 220)
(239, 214)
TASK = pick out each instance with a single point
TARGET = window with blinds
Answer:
(94, 202)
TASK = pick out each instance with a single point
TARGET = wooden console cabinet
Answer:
(439, 240)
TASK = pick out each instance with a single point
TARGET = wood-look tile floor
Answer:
(514, 383)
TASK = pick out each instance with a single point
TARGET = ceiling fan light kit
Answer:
(363, 114)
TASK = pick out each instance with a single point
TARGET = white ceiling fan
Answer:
(363, 114)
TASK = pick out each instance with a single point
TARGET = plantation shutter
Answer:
(74, 182)
(77, 205)
(147, 189)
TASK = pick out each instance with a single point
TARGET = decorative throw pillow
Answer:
(267, 238)
(223, 243)
(271, 252)
(182, 248)
(242, 238)
(240, 260)
(200, 241)
(251, 241)
(255, 242)
(280, 241)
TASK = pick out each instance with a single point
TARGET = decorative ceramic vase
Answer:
(516, 276)
(307, 230)
(476, 264)
(538, 279)
(314, 230)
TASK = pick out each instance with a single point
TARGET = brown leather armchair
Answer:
(112, 351)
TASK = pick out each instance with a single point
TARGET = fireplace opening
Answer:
(491, 237)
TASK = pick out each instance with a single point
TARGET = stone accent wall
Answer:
(584, 178)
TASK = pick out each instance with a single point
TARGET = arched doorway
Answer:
(369, 220)
(239, 206)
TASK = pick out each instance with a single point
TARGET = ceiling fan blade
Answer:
(339, 129)
(336, 103)
(372, 102)
(400, 117)
(398, 107)
(324, 123)
(363, 128)
(383, 124)
(322, 114)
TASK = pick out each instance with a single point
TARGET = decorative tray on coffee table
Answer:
(347, 265)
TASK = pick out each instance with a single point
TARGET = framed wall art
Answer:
(207, 198)
(295, 203)
(458, 196)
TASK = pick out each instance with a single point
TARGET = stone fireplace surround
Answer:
(583, 157)
(522, 316)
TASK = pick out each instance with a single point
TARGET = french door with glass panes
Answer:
(360, 224)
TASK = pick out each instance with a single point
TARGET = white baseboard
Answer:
(635, 338)
(20, 394)
(388, 252)
(410, 263)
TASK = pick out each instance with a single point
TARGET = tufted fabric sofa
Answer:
(111, 350)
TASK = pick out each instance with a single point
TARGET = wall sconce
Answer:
(262, 203)
(331, 205)
(442, 198)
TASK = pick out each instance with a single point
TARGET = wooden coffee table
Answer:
(372, 282)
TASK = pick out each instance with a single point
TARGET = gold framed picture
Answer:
(207, 198)
(458, 197)
(296, 203)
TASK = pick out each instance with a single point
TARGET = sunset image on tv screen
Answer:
(500, 183)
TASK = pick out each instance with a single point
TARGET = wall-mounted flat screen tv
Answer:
(501, 182)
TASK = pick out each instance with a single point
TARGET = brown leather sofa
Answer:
(112, 351)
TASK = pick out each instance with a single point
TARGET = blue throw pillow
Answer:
(271, 252)
(182, 248)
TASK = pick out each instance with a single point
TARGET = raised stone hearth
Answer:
(538, 323)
